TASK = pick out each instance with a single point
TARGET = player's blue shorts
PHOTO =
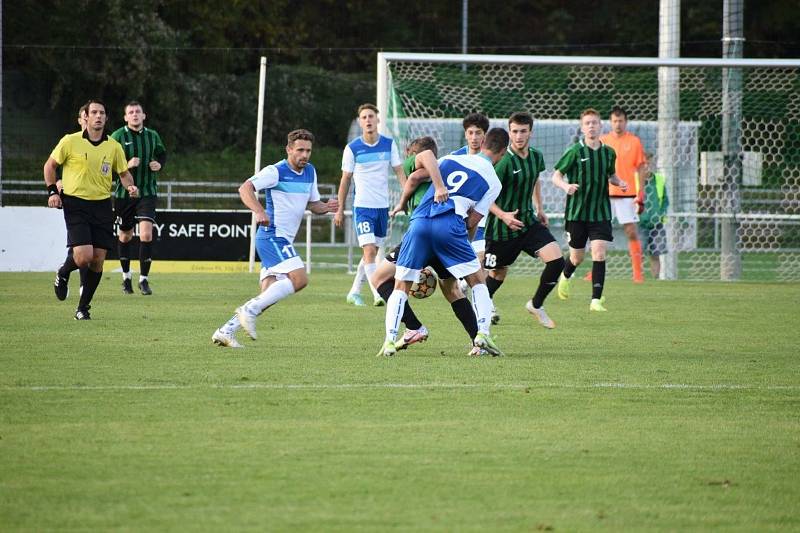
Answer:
(444, 237)
(371, 224)
(277, 254)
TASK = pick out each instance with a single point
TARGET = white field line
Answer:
(412, 386)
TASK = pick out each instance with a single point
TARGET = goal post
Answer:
(428, 94)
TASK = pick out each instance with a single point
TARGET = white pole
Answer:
(308, 242)
(382, 96)
(257, 166)
(669, 42)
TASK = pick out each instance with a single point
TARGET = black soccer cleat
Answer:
(144, 286)
(61, 286)
(127, 286)
(82, 313)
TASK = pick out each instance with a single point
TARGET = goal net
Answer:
(725, 135)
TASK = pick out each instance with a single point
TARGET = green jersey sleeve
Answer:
(567, 161)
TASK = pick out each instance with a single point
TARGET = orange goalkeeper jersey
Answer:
(630, 156)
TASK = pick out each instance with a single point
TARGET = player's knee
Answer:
(499, 273)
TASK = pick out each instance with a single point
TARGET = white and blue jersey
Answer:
(287, 193)
(479, 240)
(464, 150)
(370, 165)
(439, 229)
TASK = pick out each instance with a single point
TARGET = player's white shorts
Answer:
(278, 257)
(624, 210)
(479, 240)
(444, 237)
(371, 225)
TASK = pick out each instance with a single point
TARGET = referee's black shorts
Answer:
(435, 264)
(578, 232)
(130, 211)
(501, 254)
(89, 222)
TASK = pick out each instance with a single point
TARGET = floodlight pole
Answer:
(669, 41)
(730, 266)
(257, 166)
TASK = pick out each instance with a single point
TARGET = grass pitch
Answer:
(676, 410)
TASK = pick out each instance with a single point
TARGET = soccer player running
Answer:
(146, 156)
(418, 165)
(627, 204)
(589, 167)
(291, 188)
(367, 161)
(513, 226)
(88, 160)
(438, 229)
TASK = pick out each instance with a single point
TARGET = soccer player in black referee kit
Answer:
(87, 159)
(146, 156)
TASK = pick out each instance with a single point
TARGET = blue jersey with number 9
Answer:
(471, 184)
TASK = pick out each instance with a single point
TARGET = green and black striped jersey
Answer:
(409, 166)
(518, 176)
(589, 169)
(147, 146)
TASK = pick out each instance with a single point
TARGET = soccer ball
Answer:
(425, 284)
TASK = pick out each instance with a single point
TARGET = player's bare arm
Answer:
(133, 162)
(344, 187)
(537, 203)
(321, 208)
(401, 175)
(127, 181)
(564, 185)
(53, 198)
(472, 222)
(615, 180)
(427, 160)
(509, 218)
(247, 192)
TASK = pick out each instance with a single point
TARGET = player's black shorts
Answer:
(503, 253)
(89, 222)
(129, 211)
(578, 232)
(435, 264)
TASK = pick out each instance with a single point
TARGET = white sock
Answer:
(126, 275)
(483, 306)
(394, 312)
(359, 279)
(369, 270)
(142, 278)
(231, 326)
(275, 293)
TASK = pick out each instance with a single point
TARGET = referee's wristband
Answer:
(51, 190)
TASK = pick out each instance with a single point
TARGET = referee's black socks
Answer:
(90, 283)
(69, 265)
(548, 280)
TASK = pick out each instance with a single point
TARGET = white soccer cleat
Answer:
(412, 336)
(221, 339)
(248, 321)
(540, 315)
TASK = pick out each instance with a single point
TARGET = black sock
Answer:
(124, 255)
(464, 312)
(69, 265)
(569, 268)
(83, 275)
(493, 284)
(409, 318)
(145, 257)
(598, 278)
(89, 286)
(548, 280)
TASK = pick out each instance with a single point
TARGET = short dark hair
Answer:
(83, 110)
(619, 111)
(95, 101)
(369, 106)
(521, 117)
(299, 135)
(476, 119)
(134, 103)
(496, 140)
(420, 144)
